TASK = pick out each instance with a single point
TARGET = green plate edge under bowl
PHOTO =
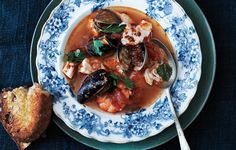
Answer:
(196, 105)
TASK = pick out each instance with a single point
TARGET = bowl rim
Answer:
(36, 35)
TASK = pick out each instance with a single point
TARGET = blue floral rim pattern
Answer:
(120, 128)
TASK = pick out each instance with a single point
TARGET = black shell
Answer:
(96, 83)
(105, 18)
(109, 44)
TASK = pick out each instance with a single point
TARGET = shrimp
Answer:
(105, 104)
(115, 101)
(127, 92)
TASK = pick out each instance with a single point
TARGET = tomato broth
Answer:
(143, 94)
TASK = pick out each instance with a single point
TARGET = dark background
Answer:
(214, 128)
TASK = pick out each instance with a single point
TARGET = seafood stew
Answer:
(112, 63)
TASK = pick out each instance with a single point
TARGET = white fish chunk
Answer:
(134, 35)
(69, 69)
(90, 65)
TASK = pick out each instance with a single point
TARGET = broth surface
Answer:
(79, 38)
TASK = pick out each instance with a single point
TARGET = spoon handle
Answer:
(182, 140)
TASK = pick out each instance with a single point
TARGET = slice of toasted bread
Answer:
(25, 113)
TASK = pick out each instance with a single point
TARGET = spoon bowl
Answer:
(171, 62)
(167, 85)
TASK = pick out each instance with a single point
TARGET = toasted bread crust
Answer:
(25, 113)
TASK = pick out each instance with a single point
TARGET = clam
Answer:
(104, 43)
(105, 18)
(132, 57)
(96, 83)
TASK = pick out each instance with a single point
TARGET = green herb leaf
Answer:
(114, 82)
(97, 44)
(116, 77)
(114, 28)
(75, 56)
(128, 83)
(165, 71)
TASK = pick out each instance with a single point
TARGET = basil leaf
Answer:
(165, 71)
(128, 83)
(97, 44)
(114, 28)
(75, 56)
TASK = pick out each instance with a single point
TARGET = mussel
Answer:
(132, 56)
(105, 18)
(104, 43)
(96, 83)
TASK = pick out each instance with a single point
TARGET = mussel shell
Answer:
(96, 83)
(105, 18)
(109, 45)
(132, 57)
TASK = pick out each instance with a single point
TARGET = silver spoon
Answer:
(167, 85)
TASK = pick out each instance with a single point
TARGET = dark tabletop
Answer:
(214, 128)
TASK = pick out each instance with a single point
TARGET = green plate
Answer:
(196, 105)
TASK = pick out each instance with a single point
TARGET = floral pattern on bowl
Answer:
(118, 128)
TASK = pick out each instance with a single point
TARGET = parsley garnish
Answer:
(75, 56)
(114, 28)
(165, 71)
(116, 77)
(97, 44)
(128, 83)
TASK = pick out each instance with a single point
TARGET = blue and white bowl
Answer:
(118, 128)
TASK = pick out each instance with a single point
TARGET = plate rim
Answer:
(46, 13)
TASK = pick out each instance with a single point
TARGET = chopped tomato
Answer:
(111, 63)
(118, 99)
